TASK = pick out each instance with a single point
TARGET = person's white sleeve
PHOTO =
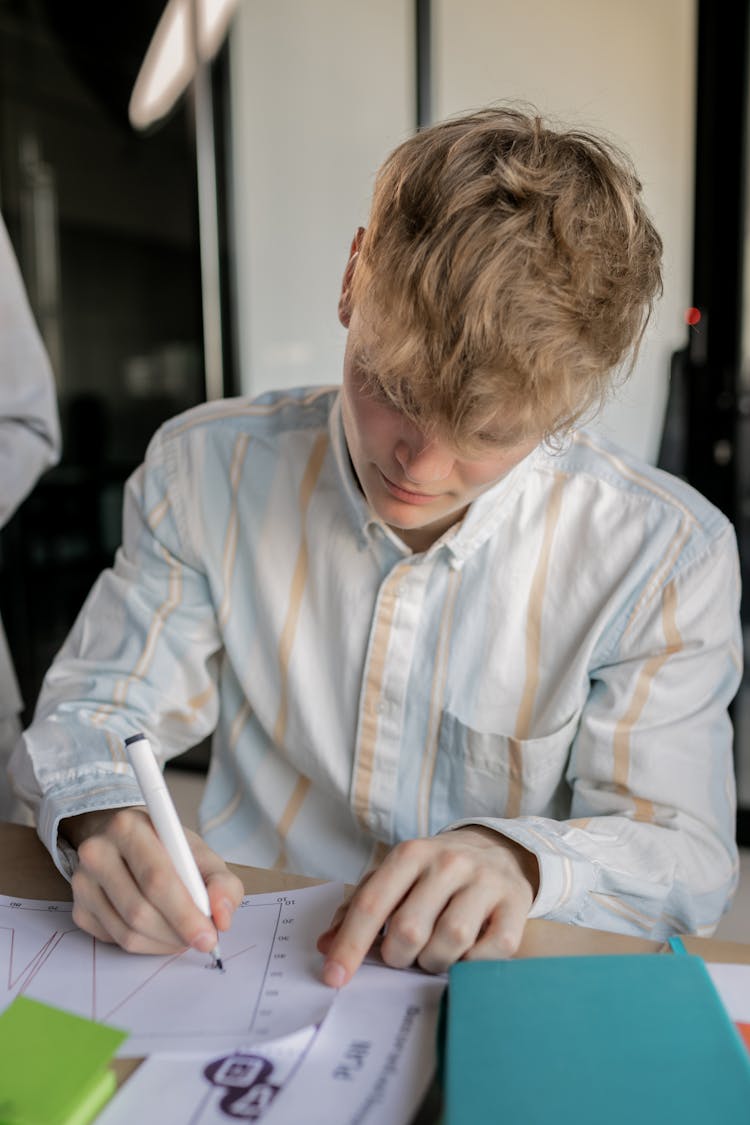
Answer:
(29, 425)
(650, 845)
(142, 656)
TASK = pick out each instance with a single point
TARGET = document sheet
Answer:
(265, 1039)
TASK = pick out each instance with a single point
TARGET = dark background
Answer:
(124, 321)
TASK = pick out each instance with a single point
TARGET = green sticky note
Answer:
(53, 1065)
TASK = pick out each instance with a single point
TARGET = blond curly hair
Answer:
(507, 271)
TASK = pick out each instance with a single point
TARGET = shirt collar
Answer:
(358, 510)
(486, 512)
(461, 540)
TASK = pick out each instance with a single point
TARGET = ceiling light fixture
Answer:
(189, 32)
(187, 37)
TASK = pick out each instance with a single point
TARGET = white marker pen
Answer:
(167, 824)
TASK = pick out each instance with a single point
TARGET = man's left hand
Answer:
(463, 895)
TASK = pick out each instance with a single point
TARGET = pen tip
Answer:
(220, 964)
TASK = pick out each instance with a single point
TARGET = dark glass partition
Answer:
(105, 227)
(707, 434)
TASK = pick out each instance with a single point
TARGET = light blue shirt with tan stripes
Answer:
(558, 666)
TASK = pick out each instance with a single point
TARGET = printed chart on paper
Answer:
(265, 1040)
(269, 989)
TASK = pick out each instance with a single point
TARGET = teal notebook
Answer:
(641, 1038)
(53, 1065)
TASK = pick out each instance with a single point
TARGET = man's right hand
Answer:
(127, 891)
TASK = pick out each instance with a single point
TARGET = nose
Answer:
(424, 460)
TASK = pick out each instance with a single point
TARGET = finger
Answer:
(457, 929)
(119, 860)
(100, 918)
(324, 941)
(225, 893)
(103, 871)
(225, 889)
(371, 905)
(127, 880)
(412, 926)
(502, 936)
(158, 883)
(134, 870)
(91, 925)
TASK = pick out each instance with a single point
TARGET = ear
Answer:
(345, 299)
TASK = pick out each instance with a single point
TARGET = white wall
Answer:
(323, 89)
(622, 67)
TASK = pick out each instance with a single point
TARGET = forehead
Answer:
(490, 436)
(472, 408)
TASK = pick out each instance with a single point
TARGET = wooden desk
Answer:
(27, 870)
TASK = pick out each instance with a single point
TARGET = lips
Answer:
(405, 494)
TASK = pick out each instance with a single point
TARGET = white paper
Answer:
(373, 1058)
(263, 1040)
(270, 986)
(369, 1063)
(732, 982)
(208, 1090)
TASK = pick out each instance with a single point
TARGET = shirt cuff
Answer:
(58, 804)
(565, 876)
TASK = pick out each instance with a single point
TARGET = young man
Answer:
(452, 648)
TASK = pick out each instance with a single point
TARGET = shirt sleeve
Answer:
(142, 656)
(650, 848)
(29, 425)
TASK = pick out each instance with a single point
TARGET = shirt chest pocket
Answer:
(491, 774)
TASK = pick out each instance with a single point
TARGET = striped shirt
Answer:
(557, 666)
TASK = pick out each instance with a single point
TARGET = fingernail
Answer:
(334, 974)
(204, 942)
(227, 906)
